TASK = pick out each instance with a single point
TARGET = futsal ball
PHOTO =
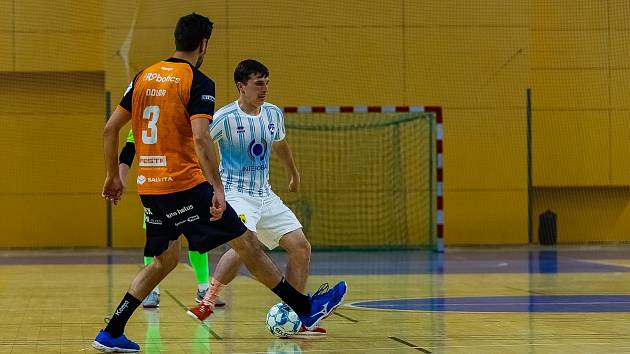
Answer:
(282, 321)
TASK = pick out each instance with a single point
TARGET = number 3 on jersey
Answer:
(151, 113)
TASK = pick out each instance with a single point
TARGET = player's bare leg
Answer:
(140, 287)
(256, 260)
(299, 258)
(228, 267)
(151, 275)
(265, 271)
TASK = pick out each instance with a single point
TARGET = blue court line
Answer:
(533, 303)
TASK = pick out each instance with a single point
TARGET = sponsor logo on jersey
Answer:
(142, 179)
(147, 211)
(240, 129)
(254, 168)
(257, 150)
(272, 128)
(207, 98)
(165, 68)
(152, 161)
(243, 218)
(159, 78)
(160, 179)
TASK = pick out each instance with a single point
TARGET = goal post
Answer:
(371, 176)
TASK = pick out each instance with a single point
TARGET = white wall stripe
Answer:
(416, 109)
(439, 161)
(388, 109)
(360, 109)
(332, 109)
(440, 217)
(439, 132)
(440, 244)
(304, 109)
(440, 190)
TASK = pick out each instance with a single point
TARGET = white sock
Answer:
(203, 287)
(157, 290)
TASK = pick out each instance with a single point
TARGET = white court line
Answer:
(352, 306)
(603, 263)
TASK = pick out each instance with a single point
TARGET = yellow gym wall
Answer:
(52, 82)
(581, 128)
(474, 58)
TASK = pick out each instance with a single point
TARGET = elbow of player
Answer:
(109, 131)
(201, 141)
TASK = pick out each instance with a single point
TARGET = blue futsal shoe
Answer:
(106, 343)
(323, 303)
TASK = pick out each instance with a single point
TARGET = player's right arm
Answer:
(207, 155)
(113, 187)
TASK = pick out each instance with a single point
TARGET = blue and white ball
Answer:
(282, 321)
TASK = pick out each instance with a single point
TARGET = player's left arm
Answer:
(283, 151)
(125, 159)
(201, 109)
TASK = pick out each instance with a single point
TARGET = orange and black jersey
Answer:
(162, 100)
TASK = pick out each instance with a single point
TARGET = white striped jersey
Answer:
(245, 144)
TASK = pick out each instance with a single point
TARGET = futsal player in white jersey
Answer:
(247, 130)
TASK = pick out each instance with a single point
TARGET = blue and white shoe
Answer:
(152, 300)
(323, 303)
(106, 343)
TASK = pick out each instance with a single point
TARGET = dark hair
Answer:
(190, 31)
(247, 67)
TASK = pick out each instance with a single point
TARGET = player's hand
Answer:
(112, 189)
(218, 204)
(294, 183)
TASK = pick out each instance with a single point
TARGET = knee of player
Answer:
(166, 264)
(246, 245)
(300, 246)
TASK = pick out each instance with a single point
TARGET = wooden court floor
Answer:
(519, 300)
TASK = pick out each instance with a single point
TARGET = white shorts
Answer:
(267, 216)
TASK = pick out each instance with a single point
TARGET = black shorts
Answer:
(187, 212)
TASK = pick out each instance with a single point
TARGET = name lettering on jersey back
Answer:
(153, 161)
(159, 78)
(156, 93)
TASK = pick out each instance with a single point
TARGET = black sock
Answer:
(116, 325)
(298, 301)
